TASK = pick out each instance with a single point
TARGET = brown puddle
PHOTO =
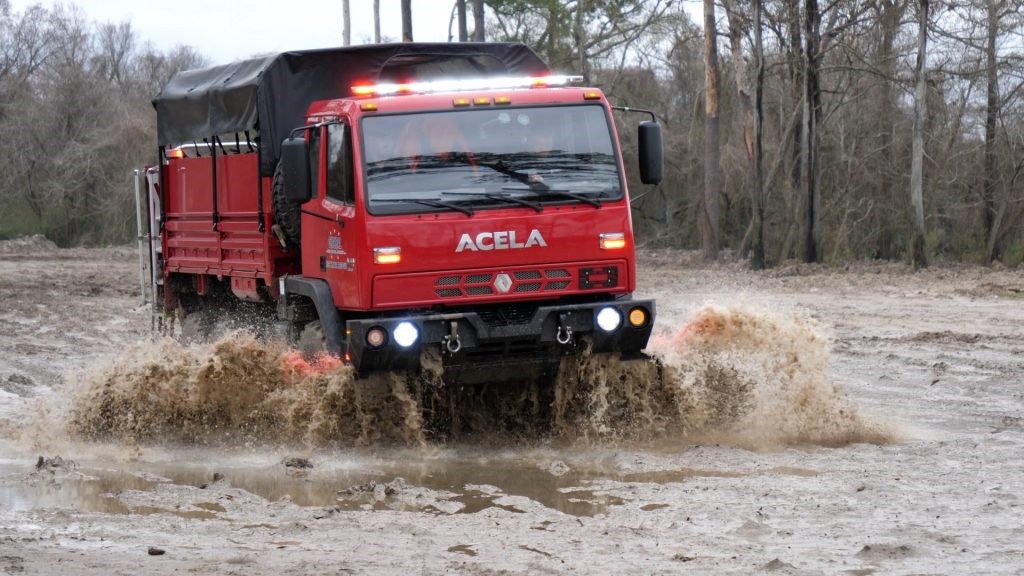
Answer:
(466, 486)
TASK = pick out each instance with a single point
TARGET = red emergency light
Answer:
(462, 85)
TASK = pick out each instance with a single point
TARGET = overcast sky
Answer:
(225, 31)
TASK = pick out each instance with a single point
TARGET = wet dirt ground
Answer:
(936, 359)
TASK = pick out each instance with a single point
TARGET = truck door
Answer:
(329, 226)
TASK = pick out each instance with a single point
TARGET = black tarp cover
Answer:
(272, 93)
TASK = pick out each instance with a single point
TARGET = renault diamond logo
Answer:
(503, 283)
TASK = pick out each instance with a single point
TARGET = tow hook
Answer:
(564, 334)
(451, 341)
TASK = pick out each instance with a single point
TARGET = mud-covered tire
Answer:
(312, 339)
(287, 215)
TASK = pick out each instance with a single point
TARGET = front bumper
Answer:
(485, 342)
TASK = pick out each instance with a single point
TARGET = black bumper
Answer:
(479, 341)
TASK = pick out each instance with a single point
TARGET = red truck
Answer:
(385, 202)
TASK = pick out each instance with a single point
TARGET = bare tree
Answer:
(747, 93)
(376, 21)
(116, 45)
(712, 150)
(918, 257)
(478, 21)
(460, 7)
(406, 20)
(758, 200)
(346, 24)
(810, 141)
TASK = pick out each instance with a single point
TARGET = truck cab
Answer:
(480, 220)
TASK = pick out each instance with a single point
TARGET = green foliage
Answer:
(1013, 256)
(936, 243)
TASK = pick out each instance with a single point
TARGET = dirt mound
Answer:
(33, 244)
(731, 374)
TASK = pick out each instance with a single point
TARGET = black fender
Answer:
(319, 292)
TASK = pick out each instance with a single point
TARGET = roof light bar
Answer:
(465, 84)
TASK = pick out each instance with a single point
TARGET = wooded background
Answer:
(825, 131)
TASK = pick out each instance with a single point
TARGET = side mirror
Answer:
(651, 154)
(295, 170)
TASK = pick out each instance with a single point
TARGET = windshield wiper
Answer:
(433, 202)
(556, 192)
(505, 197)
(523, 177)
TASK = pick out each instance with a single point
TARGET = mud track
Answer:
(880, 431)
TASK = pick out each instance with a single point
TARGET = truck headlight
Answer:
(376, 337)
(609, 319)
(405, 334)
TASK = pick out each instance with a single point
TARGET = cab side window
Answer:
(339, 163)
(314, 159)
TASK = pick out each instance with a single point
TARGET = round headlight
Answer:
(609, 319)
(376, 337)
(405, 334)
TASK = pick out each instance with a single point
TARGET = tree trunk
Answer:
(478, 21)
(406, 20)
(991, 116)
(795, 53)
(376, 21)
(346, 24)
(460, 6)
(918, 257)
(758, 200)
(580, 39)
(890, 188)
(810, 141)
(712, 151)
(754, 236)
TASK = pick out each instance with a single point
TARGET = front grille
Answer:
(527, 287)
(480, 284)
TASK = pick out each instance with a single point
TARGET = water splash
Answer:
(733, 374)
(736, 375)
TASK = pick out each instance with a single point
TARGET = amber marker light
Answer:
(175, 154)
(638, 317)
(502, 100)
(368, 106)
(612, 240)
(482, 101)
(459, 102)
(591, 95)
(387, 255)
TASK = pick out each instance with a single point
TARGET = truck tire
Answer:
(287, 215)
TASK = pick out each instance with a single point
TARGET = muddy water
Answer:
(460, 481)
(732, 374)
(161, 423)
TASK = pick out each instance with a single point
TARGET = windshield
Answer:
(487, 158)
